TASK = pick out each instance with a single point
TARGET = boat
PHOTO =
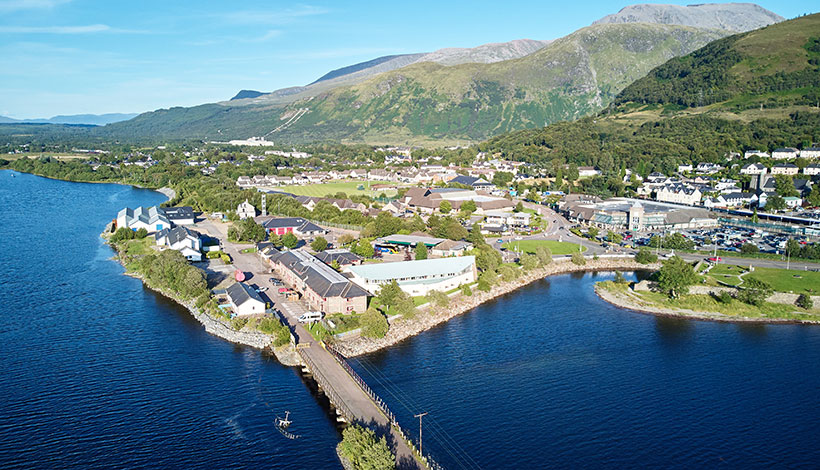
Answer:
(282, 426)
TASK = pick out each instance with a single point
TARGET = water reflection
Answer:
(674, 330)
(753, 331)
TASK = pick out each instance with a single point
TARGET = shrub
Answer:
(805, 302)
(226, 258)
(749, 248)
(483, 285)
(466, 291)
(374, 324)
(724, 297)
(213, 254)
(619, 278)
(202, 299)
(406, 308)
(319, 244)
(360, 446)
(675, 277)
(237, 323)
(141, 233)
(645, 256)
(438, 298)
(421, 251)
(544, 255)
(754, 292)
(529, 262)
(578, 258)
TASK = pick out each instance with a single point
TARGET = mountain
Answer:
(243, 94)
(754, 90)
(457, 95)
(85, 119)
(736, 17)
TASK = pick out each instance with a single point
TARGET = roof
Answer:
(410, 240)
(452, 245)
(413, 269)
(240, 293)
(176, 234)
(146, 215)
(297, 223)
(177, 213)
(340, 255)
(321, 278)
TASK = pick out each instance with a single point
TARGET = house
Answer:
(340, 255)
(786, 153)
(472, 181)
(739, 199)
(753, 169)
(321, 286)
(785, 169)
(813, 169)
(755, 153)
(685, 168)
(810, 153)
(180, 215)
(416, 277)
(792, 202)
(449, 248)
(679, 193)
(513, 219)
(295, 225)
(244, 300)
(152, 219)
(588, 171)
(181, 239)
(245, 210)
(266, 250)
(708, 168)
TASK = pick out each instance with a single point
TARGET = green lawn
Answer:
(782, 280)
(139, 247)
(557, 248)
(727, 273)
(333, 187)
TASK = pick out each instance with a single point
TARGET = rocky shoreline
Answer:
(637, 305)
(405, 328)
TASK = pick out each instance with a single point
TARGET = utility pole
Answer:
(419, 416)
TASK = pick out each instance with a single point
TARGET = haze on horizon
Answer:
(91, 56)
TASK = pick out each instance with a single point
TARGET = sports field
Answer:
(348, 187)
(529, 246)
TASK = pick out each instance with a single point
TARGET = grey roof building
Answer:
(245, 300)
(341, 256)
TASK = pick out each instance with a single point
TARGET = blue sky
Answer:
(90, 56)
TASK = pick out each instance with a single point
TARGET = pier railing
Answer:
(426, 459)
(327, 387)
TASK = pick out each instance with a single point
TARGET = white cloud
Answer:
(273, 17)
(17, 5)
(85, 29)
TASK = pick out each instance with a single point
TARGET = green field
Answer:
(529, 246)
(348, 187)
(782, 280)
(727, 273)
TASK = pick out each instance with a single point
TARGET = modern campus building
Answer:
(152, 219)
(634, 214)
(320, 285)
(416, 277)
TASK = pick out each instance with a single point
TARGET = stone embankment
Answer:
(402, 328)
(167, 192)
(631, 301)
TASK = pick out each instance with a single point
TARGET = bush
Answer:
(619, 278)
(121, 234)
(213, 254)
(724, 297)
(805, 302)
(141, 233)
(675, 277)
(421, 251)
(749, 248)
(202, 299)
(319, 244)
(466, 291)
(754, 292)
(645, 256)
(438, 298)
(406, 308)
(483, 285)
(374, 324)
(578, 258)
(226, 258)
(360, 446)
(529, 262)
(237, 323)
(544, 255)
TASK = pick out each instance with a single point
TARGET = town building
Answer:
(416, 277)
(785, 169)
(633, 214)
(244, 300)
(152, 219)
(449, 248)
(472, 181)
(246, 210)
(786, 153)
(183, 240)
(811, 170)
(679, 194)
(295, 225)
(753, 169)
(755, 153)
(341, 256)
(183, 215)
(321, 286)
(810, 153)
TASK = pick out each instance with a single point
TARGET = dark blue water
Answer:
(98, 372)
(553, 377)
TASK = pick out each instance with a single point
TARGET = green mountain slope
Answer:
(571, 77)
(759, 89)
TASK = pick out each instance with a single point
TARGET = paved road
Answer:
(798, 265)
(355, 399)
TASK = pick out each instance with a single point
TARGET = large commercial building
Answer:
(416, 277)
(634, 214)
(320, 285)
(152, 219)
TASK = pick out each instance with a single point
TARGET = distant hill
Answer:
(362, 66)
(243, 94)
(736, 17)
(85, 119)
(759, 89)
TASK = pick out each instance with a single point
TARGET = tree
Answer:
(290, 241)
(754, 291)
(784, 185)
(364, 451)
(390, 294)
(614, 237)
(468, 207)
(438, 298)
(421, 251)
(475, 237)
(406, 307)
(645, 256)
(592, 232)
(335, 265)
(466, 291)
(519, 207)
(529, 262)
(675, 277)
(775, 203)
(578, 258)
(363, 248)
(502, 179)
(445, 207)
(374, 324)
(141, 233)
(749, 248)
(619, 278)
(805, 302)
(544, 255)
(319, 244)
(508, 272)
(346, 239)
(813, 199)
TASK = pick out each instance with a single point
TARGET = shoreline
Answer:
(426, 319)
(622, 302)
(169, 193)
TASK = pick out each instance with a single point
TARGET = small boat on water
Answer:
(283, 424)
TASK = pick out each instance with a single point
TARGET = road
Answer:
(359, 404)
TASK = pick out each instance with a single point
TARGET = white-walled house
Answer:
(244, 300)
(753, 169)
(786, 153)
(183, 240)
(152, 219)
(246, 210)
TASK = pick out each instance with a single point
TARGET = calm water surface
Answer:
(99, 372)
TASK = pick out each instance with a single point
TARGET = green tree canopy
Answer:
(319, 244)
(675, 277)
(421, 251)
(290, 241)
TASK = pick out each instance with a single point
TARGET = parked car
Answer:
(282, 290)
(276, 282)
(714, 259)
(261, 289)
(309, 317)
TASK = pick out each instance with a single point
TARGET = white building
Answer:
(785, 169)
(679, 194)
(786, 153)
(685, 168)
(755, 153)
(416, 277)
(813, 169)
(244, 300)
(753, 169)
(810, 153)
(245, 210)
(152, 219)
(183, 240)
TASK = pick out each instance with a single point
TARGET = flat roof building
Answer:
(416, 277)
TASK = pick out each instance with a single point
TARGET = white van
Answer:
(309, 317)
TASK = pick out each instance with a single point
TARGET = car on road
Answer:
(282, 290)
(714, 259)
(309, 317)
